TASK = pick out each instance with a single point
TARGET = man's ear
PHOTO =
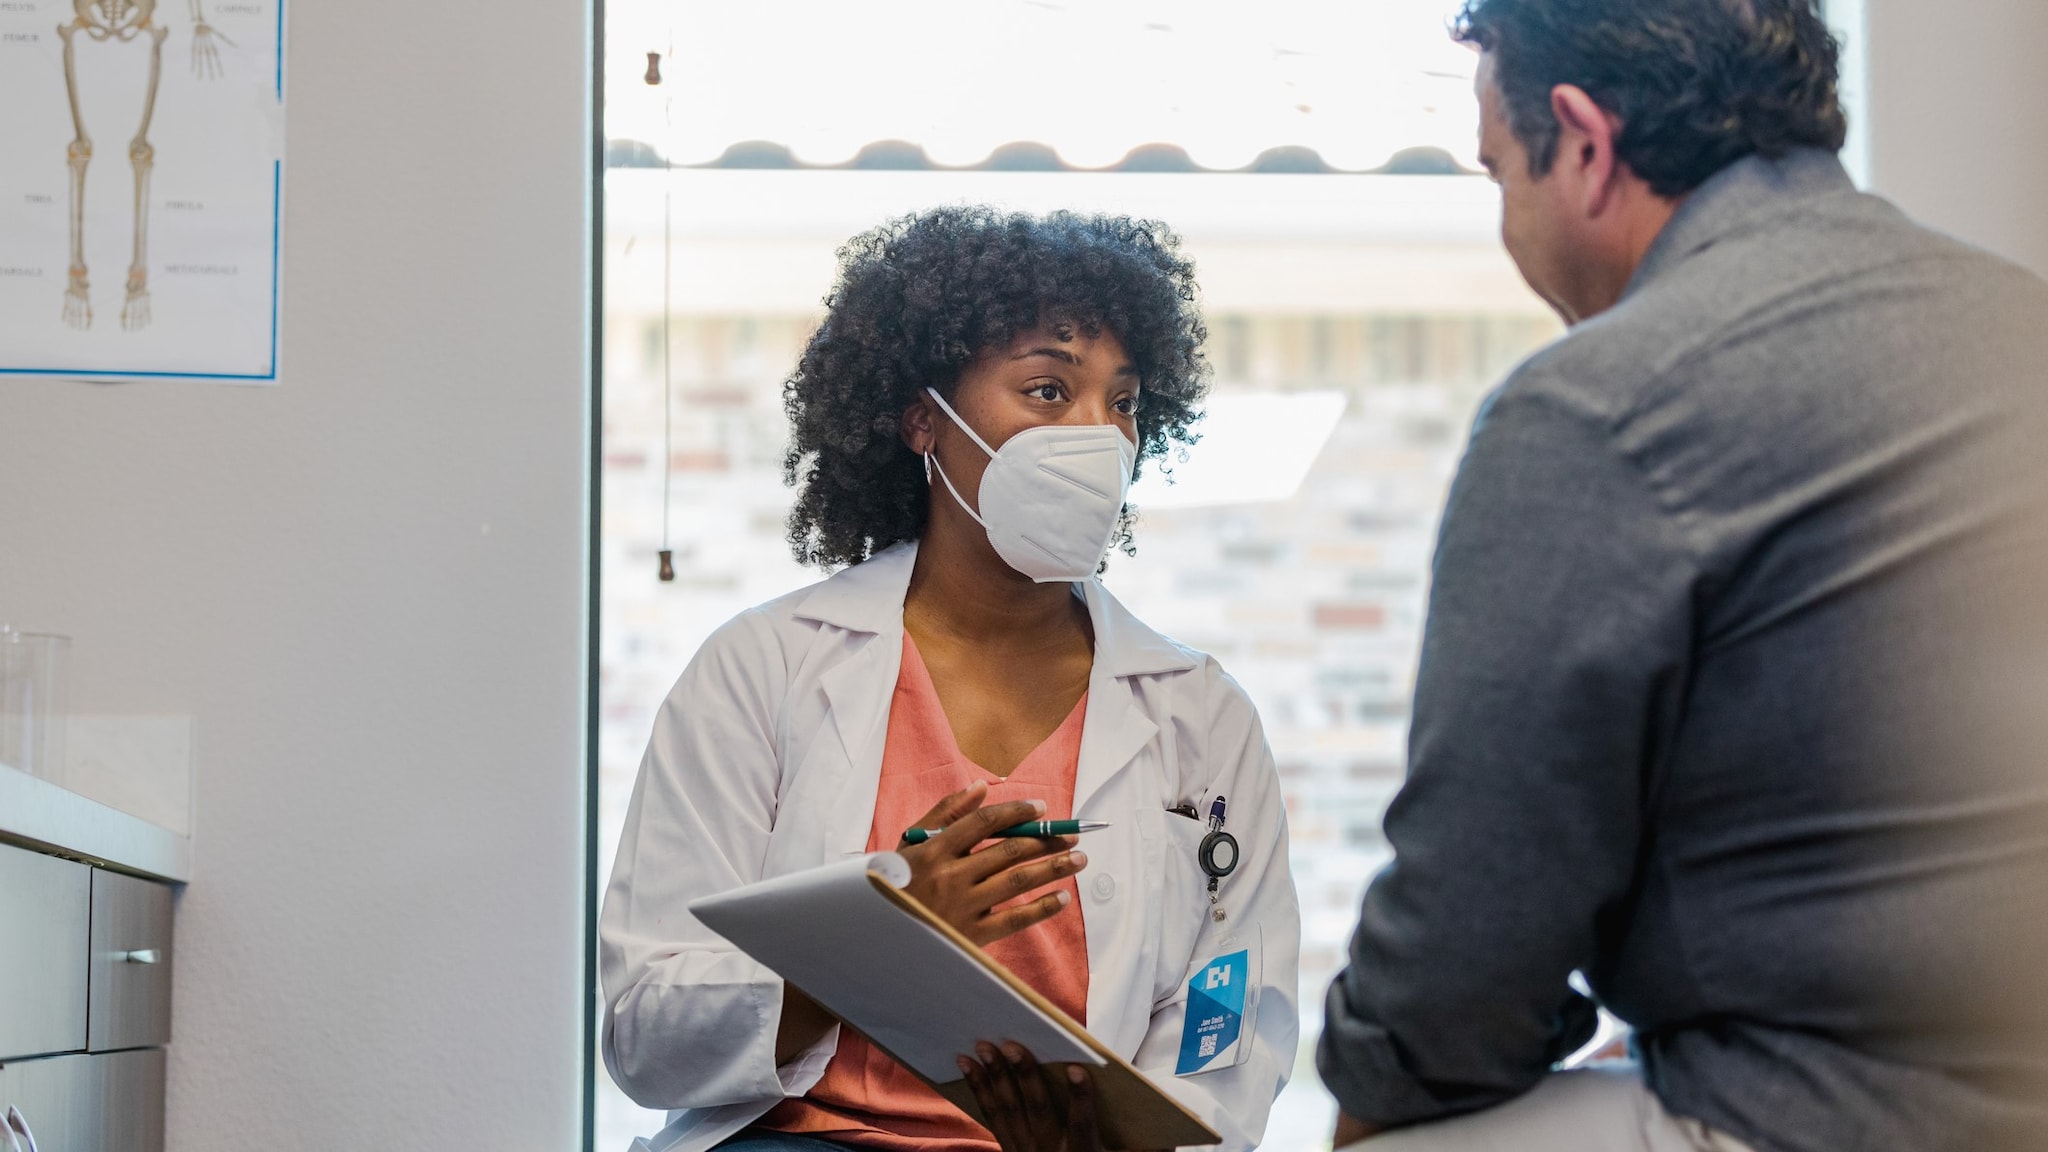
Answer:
(1585, 147)
(919, 430)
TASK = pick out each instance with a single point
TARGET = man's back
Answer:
(1834, 403)
(1774, 792)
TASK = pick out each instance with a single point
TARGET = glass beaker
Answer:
(33, 671)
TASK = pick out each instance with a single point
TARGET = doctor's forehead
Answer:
(1066, 344)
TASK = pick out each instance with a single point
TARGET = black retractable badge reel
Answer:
(1217, 854)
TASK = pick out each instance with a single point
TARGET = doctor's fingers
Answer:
(963, 834)
(1010, 921)
(1035, 1125)
(1006, 856)
(1036, 873)
(1083, 1134)
(1000, 1118)
(1038, 1109)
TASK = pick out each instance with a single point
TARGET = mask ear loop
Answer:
(955, 416)
(931, 464)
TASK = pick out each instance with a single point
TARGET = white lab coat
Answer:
(765, 760)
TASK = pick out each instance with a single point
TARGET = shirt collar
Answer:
(868, 597)
(1751, 189)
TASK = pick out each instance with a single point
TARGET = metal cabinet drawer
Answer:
(50, 1102)
(131, 963)
(106, 1103)
(45, 909)
(131, 1101)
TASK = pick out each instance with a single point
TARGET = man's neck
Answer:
(1635, 232)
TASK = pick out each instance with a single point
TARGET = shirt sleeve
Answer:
(690, 1020)
(1553, 659)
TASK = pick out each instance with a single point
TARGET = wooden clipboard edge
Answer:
(1115, 1067)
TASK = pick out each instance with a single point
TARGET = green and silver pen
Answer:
(1035, 828)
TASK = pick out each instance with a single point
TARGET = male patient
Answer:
(1724, 692)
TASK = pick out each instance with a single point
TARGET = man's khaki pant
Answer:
(1598, 1109)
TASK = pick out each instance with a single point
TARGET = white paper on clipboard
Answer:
(921, 996)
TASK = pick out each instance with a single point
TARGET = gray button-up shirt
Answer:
(1724, 700)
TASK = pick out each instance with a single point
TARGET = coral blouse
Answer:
(865, 1098)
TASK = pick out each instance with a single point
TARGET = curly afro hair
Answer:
(917, 299)
(1698, 84)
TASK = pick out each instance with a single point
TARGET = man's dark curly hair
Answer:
(1697, 84)
(917, 299)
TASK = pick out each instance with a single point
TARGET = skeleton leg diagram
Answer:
(77, 292)
(121, 21)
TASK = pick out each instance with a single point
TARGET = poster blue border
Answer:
(276, 281)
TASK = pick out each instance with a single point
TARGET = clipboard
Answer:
(887, 967)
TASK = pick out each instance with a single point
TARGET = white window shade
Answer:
(1090, 80)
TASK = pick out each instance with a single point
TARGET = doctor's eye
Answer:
(1128, 406)
(1048, 392)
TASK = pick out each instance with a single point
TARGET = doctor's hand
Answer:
(964, 886)
(1017, 1106)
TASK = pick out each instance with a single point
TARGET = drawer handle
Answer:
(17, 1125)
(139, 956)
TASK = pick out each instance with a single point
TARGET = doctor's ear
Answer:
(919, 428)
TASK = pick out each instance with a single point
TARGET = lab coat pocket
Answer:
(1184, 910)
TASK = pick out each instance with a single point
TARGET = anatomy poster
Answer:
(141, 173)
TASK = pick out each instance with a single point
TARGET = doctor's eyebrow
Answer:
(1063, 355)
(1055, 353)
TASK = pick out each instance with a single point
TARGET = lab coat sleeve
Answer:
(690, 1020)
(1224, 752)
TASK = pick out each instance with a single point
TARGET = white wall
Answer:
(366, 585)
(1959, 118)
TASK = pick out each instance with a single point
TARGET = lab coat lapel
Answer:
(1124, 863)
(1113, 732)
(857, 695)
(865, 602)
(1114, 886)
(1117, 726)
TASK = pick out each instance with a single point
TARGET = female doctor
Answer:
(965, 423)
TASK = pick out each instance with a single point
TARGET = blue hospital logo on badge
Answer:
(1215, 1013)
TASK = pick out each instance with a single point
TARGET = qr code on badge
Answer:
(1208, 1047)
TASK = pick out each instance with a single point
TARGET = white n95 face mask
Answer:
(1050, 497)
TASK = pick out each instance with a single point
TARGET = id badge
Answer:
(1220, 1018)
